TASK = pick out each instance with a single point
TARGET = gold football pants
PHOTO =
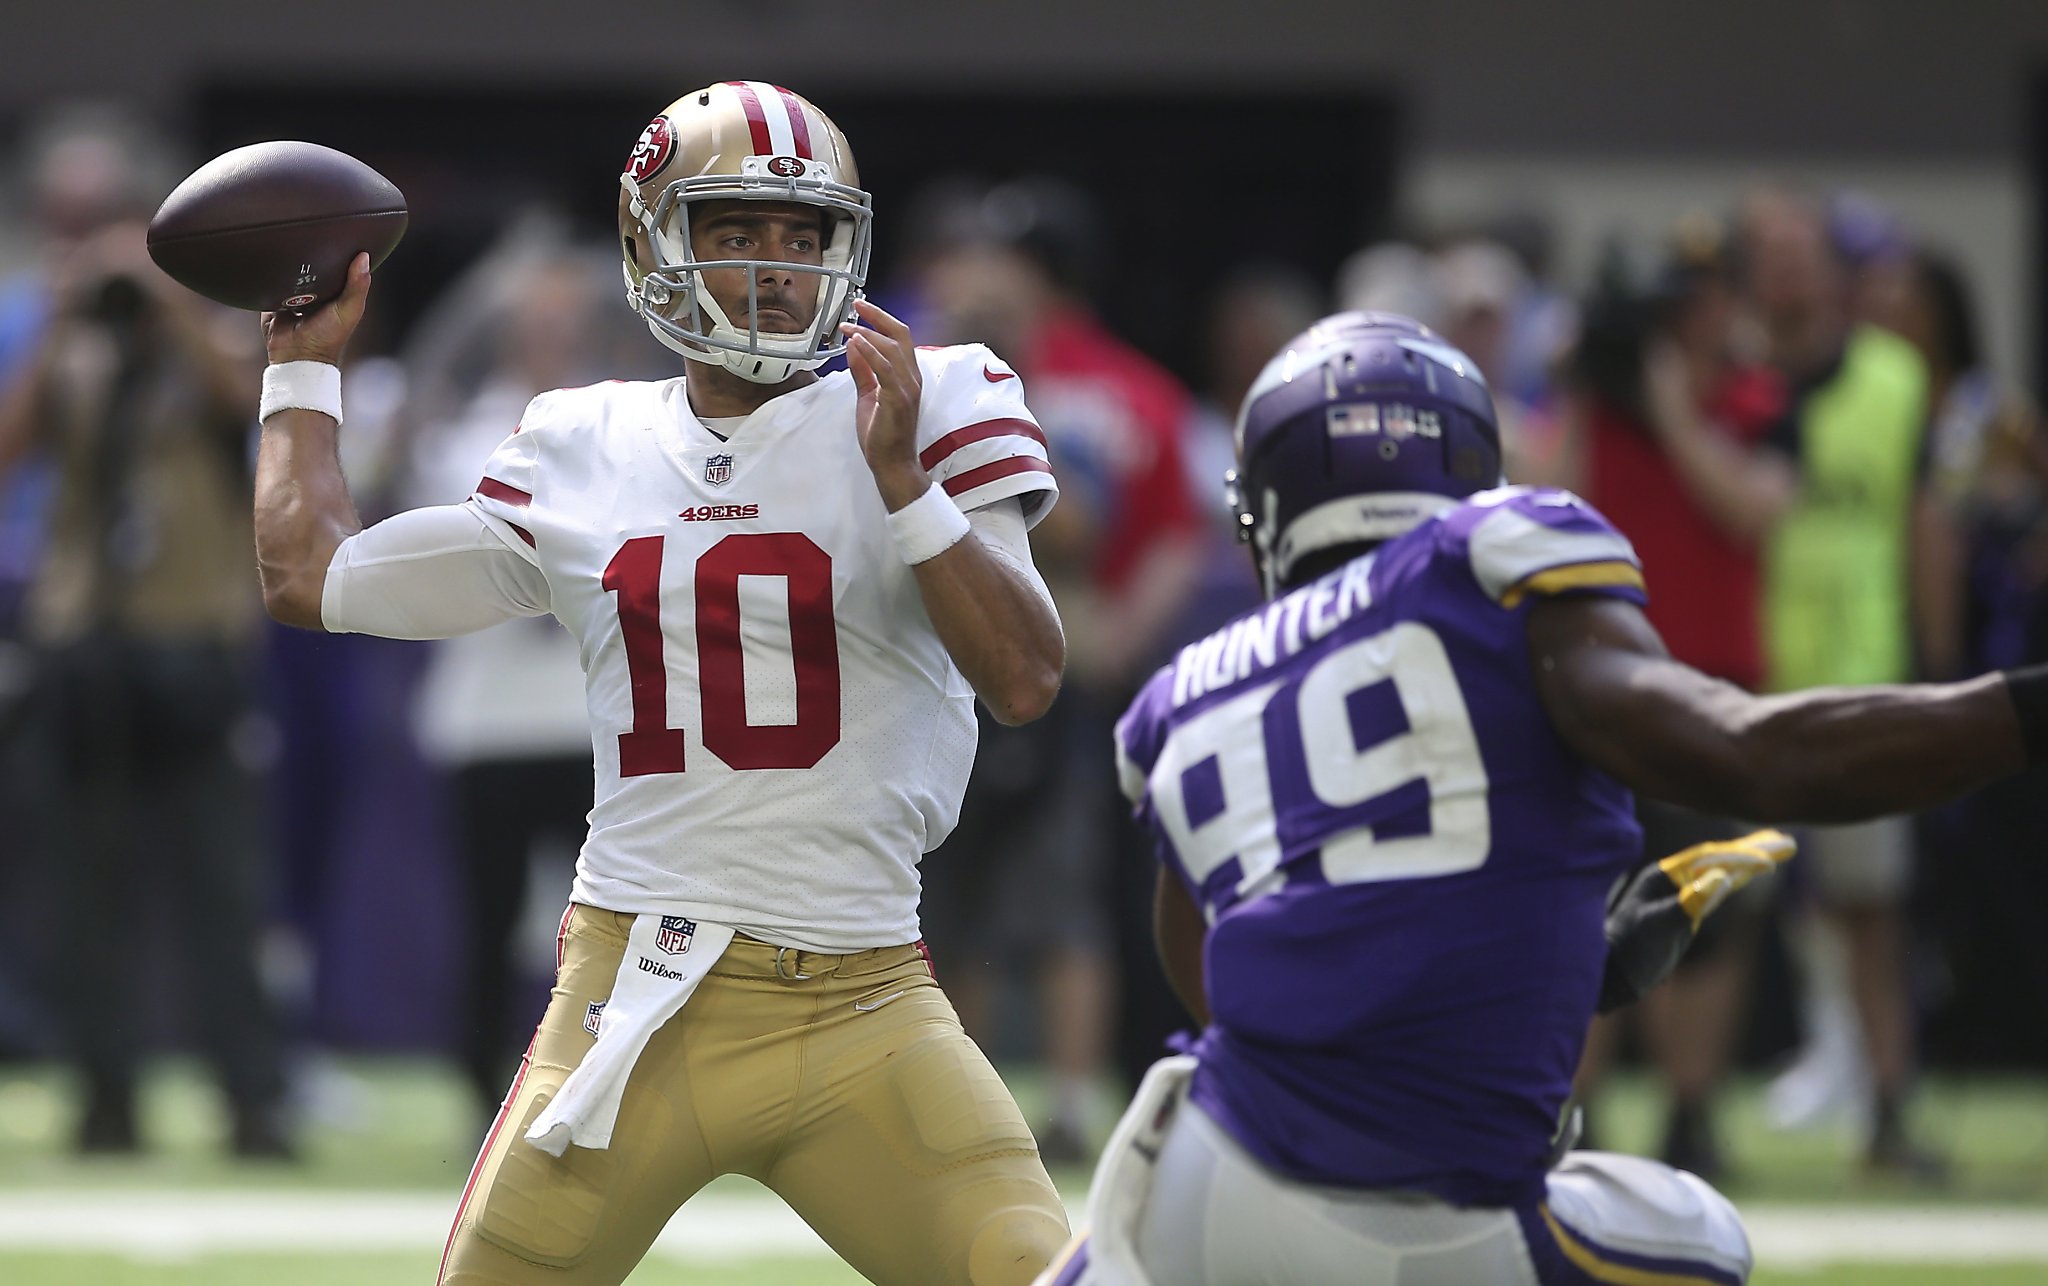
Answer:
(843, 1083)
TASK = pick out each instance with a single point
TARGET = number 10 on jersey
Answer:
(652, 747)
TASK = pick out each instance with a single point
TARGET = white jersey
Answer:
(779, 733)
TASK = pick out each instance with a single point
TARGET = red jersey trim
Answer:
(968, 481)
(505, 492)
(973, 433)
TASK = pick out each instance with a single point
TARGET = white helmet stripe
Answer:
(781, 138)
(1360, 519)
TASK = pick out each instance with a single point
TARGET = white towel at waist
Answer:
(666, 957)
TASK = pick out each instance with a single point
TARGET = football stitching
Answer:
(288, 223)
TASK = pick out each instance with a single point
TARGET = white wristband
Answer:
(302, 386)
(928, 526)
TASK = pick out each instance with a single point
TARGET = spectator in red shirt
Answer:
(1645, 356)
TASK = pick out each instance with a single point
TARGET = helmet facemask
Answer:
(671, 295)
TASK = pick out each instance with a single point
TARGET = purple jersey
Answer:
(1405, 871)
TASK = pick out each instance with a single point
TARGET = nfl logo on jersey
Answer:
(675, 934)
(718, 470)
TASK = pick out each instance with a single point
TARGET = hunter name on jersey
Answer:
(1404, 869)
(738, 657)
(1282, 628)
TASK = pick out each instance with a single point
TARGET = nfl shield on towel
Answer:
(718, 470)
(675, 934)
(593, 1016)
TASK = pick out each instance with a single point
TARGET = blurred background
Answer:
(277, 909)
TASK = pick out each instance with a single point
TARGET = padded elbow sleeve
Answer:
(428, 574)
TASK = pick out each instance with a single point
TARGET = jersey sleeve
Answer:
(510, 478)
(428, 574)
(976, 437)
(1141, 736)
(1542, 543)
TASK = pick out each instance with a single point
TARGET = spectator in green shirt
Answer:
(1855, 548)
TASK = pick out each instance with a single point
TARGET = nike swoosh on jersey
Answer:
(994, 376)
(874, 1005)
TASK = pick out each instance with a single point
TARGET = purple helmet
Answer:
(1360, 428)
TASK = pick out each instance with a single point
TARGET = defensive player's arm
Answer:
(998, 626)
(1825, 755)
(1178, 930)
(429, 573)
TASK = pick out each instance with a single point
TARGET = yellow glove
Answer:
(1654, 915)
(1706, 874)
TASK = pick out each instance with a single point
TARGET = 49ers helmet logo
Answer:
(786, 166)
(656, 144)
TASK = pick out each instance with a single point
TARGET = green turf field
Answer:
(395, 1139)
(373, 1270)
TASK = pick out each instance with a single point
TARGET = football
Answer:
(273, 226)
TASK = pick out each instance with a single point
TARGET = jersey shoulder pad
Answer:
(1522, 542)
(504, 493)
(975, 435)
(513, 471)
(1141, 734)
(587, 406)
(564, 425)
(560, 415)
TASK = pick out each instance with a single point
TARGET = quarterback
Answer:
(788, 590)
(1390, 805)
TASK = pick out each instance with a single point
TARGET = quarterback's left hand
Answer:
(886, 381)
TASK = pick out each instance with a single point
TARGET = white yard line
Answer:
(174, 1226)
(1800, 1236)
(715, 1227)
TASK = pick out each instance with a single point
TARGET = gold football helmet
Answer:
(749, 140)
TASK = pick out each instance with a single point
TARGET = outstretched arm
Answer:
(1825, 755)
(303, 509)
(427, 573)
(999, 627)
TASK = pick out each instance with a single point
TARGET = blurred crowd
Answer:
(1784, 403)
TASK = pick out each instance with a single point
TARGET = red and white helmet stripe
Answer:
(776, 117)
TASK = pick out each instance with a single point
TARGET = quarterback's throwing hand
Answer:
(320, 335)
(883, 360)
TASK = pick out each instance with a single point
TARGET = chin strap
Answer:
(635, 204)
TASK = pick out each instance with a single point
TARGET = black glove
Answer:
(1653, 919)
